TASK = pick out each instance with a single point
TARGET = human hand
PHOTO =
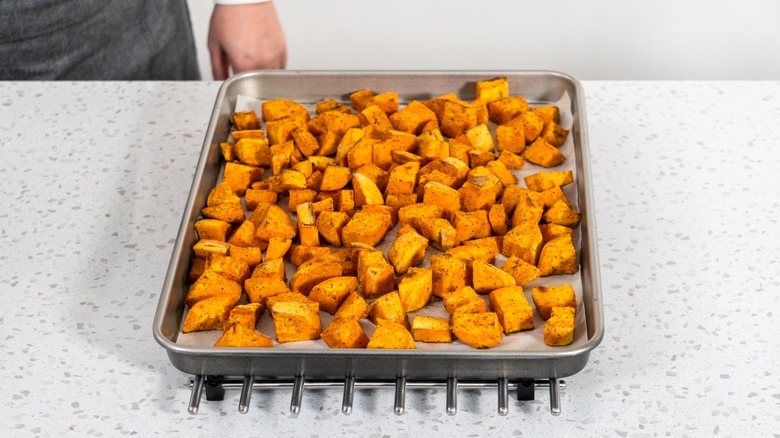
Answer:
(245, 37)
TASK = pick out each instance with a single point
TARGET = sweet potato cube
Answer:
(491, 91)
(510, 160)
(559, 329)
(258, 290)
(228, 154)
(345, 333)
(457, 117)
(512, 308)
(226, 212)
(545, 298)
(479, 193)
(471, 225)
(560, 213)
(277, 248)
(228, 267)
(553, 195)
(544, 180)
(209, 314)
(449, 274)
(391, 335)
(211, 284)
(245, 315)
(277, 109)
(417, 214)
(446, 198)
(305, 141)
(296, 321)
(524, 241)
(480, 138)
(332, 292)
(554, 134)
(330, 226)
(314, 271)
(529, 207)
(403, 179)
(431, 329)
(300, 196)
(287, 180)
(366, 227)
(373, 115)
(360, 99)
(366, 191)
(280, 131)
(375, 275)
(252, 255)
(498, 219)
(478, 330)
(353, 307)
(522, 271)
(299, 254)
(437, 104)
(253, 151)
(246, 120)
(212, 229)
(408, 250)
(339, 123)
(197, 268)
(271, 269)
(544, 154)
(454, 168)
(222, 194)
(510, 138)
(307, 225)
(551, 231)
(387, 102)
(504, 110)
(547, 113)
(388, 307)
(558, 257)
(463, 300)
(335, 178)
(415, 288)
(331, 105)
(502, 173)
(276, 223)
(412, 118)
(440, 232)
(238, 336)
(205, 247)
(479, 158)
(487, 278)
(253, 197)
(460, 150)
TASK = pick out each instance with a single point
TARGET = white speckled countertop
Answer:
(687, 191)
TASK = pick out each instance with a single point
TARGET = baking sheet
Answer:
(525, 341)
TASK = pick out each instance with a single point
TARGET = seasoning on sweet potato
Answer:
(345, 333)
(512, 308)
(478, 330)
(366, 227)
(551, 231)
(412, 118)
(240, 176)
(276, 223)
(545, 298)
(353, 307)
(277, 109)
(313, 271)
(544, 180)
(506, 109)
(522, 271)
(491, 91)
(209, 314)
(440, 233)
(238, 336)
(245, 315)
(415, 288)
(547, 113)
(487, 278)
(559, 329)
(449, 274)
(205, 247)
(560, 213)
(330, 226)
(252, 255)
(227, 212)
(471, 224)
(228, 267)
(431, 329)
(366, 191)
(307, 225)
(211, 284)
(332, 292)
(554, 134)
(553, 195)
(246, 120)
(212, 229)
(277, 248)
(463, 300)
(388, 307)
(258, 290)
(479, 193)
(391, 335)
(524, 241)
(510, 138)
(558, 257)
(271, 269)
(296, 321)
(408, 250)
(544, 154)
(375, 275)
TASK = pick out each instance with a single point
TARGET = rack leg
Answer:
(246, 394)
(555, 396)
(400, 395)
(197, 391)
(349, 394)
(452, 396)
(297, 395)
(503, 396)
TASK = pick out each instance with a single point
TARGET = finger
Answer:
(219, 65)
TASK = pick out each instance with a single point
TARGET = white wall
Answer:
(589, 39)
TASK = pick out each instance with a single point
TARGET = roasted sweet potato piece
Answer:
(463, 300)
(280, 131)
(307, 225)
(375, 275)
(506, 109)
(446, 198)
(413, 118)
(252, 255)
(296, 321)
(258, 290)
(498, 219)
(345, 333)
(490, 91)
(479, 193)
(366, 227)
(205, 247)
(276, 223)
(332, 292)
(431, 329)
(408, 250)
(245, 315)
(366, 191)
(388, 307)
(238, 336)
(212, 229)
(551, 231)
(222, 194)
(471, 225)
(544, 154)
(522, 271)
(440, 232)
(228, 267)
(545, 298)
(313, 271)
(553, 195)
(457, 117)
(277, 109)
(510, 160)
(391, 335)
(554, 134)
(227, 212)
(277, 248)
(449, 274)
(415, 288)
(547, 113)
(211, 284)
(209, 314)
(417, 214)
(253, 151)
(560, 213)
(524, 241)
(510, 138)
(512, 308)
(246, 120)
(330, 226)
(240, 176)
(403, 179)
(478, 330)
(559, 328)
(558, 257)
(271, 269)
(353, 307)
(487, 278)
(544, 180)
